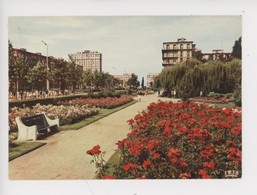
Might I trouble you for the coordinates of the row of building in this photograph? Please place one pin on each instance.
(172, 53)
(183, 50)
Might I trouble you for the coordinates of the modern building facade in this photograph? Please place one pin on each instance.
(177, 52)
(150, 79)
(89, 60)
(217, 54)
(124, 78)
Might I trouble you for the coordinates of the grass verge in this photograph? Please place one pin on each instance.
(226, 105)
(110, 165)
(19, 148)
(102, 113)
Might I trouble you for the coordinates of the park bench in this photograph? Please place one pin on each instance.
(29, 127)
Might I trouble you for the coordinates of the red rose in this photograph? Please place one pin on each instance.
(109, 177)
(146, 163)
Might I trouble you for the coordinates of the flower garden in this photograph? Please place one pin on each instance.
(221, 100)
(109, 102)
(181, 140)
(69, 112)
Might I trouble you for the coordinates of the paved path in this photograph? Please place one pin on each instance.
(64, 156)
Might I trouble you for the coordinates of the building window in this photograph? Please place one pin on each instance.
(168, 47)
(188, 46)
(174, 46)
(181, 46)
(188, 53)
(181, 54)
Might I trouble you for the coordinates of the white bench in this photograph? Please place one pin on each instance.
(29, 127)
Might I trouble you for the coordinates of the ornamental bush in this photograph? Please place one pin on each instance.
(66, 113)
(183, 140)
(109, 102)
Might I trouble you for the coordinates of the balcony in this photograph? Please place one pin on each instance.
(165, 64)
(176, 49)
(170, 57)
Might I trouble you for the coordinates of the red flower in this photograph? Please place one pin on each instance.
(94, 150)
(156, 155)
(235, 155)
(128, 166)
(210, 165)
(185, 175)
(109, 177)
(206, 177)
(202, 172)
(146, 163)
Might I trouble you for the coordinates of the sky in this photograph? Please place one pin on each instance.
(129, 44)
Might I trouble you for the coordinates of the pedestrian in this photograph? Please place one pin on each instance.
(139, 96)
(174, 92)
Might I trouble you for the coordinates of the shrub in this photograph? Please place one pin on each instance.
(183, 140)
(66, 114)
(109, 102)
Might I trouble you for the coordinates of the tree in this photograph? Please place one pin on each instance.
(74, 75)
(237, 49)
(87, 79)
(142, 84)
(133, 82)
(191, 77)
(37, 76)
(18, 68)
(58, 73)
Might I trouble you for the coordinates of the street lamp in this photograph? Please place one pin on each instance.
(47, 81)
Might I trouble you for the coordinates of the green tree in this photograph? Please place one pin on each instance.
(142, 84)
(58, 72)
(237, 49)
(87, 79)
(133, 82)
(192, 77)
(74, 75)
(37, 76)
(18, 68)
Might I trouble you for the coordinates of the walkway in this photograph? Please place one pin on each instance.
(64, 156)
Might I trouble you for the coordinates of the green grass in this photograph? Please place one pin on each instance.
(19, 148)
(230, 104)
(102, 113)
(110, 165)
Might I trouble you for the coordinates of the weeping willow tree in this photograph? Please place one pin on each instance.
(191, 77)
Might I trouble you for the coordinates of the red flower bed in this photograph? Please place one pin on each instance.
(212, 99)
(109, 102)
(183, 140)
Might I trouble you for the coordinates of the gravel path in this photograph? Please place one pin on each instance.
(64, 156)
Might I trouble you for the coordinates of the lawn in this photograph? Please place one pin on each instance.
(102, 113)
(226, 105)
(111, 163)
(20, 148)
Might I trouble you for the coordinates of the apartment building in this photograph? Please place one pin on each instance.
(124, 78)
(177, 52)
(89, 60)
(150, 79)
(217, 54)
(32, 58)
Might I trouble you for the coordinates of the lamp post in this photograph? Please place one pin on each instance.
(47, 81)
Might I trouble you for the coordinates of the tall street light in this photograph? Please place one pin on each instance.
(47, 81)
